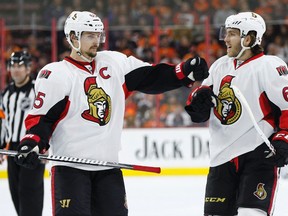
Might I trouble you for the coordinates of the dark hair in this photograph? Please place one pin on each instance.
(257, 49)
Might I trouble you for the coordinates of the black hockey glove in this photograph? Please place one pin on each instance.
(280, 143)
(194, 69)
(28, 151)
(199, 103)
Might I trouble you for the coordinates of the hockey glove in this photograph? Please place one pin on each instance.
(280, 143)
(199, 103)
(28, 151)
(194, 69)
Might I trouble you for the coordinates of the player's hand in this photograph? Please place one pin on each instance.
(193, 69)
(196, 69)
(28, 151)
(280, 143)
(199, 103)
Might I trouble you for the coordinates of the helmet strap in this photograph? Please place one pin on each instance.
(83, 57)
(78, 51)
(243, 49)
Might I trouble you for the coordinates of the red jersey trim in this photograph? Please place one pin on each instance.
(248, 60)
(283, 124)
(53, 190)
(266, 109)
(276, 177)
(32, 120)
(62, 116)
(235, 161)
(126, 91)
(81, 65)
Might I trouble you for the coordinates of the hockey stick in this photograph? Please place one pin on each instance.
(87, 162)
(260, 132)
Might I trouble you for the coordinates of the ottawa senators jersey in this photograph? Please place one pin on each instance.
(79, 108)
(263, 81)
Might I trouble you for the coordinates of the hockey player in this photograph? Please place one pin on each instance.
(79, 111)
(26, 185)
(243, 179)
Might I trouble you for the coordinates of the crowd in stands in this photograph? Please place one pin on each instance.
(131, 31)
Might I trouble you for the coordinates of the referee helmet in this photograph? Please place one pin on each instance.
(21, 57)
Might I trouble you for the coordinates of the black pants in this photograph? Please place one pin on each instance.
(84, 193)
(248, 181)
(26, 188)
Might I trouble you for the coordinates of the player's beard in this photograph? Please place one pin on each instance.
(92, 54)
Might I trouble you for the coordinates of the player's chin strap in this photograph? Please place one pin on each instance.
(79, 52)
(244, 48)
(83, 57)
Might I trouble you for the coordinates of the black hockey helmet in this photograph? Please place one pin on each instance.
(21, 57)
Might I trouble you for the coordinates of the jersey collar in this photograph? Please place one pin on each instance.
(236, 66)
(82, 65)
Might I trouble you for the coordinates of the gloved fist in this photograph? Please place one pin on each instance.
(28, 151)
(280, 143)
(199, 103)
(194, 69)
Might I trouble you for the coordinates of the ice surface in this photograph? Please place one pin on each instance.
(153, 196)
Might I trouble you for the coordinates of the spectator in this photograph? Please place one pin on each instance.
(178, 117)
(222, 13)
(54, 9)
(185, 16)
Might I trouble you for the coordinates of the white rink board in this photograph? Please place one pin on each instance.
(166, 147)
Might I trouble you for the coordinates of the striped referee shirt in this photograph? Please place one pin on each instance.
(16, 103)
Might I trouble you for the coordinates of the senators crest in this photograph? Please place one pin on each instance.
(98, 101)
(228, 109)
(260, 192)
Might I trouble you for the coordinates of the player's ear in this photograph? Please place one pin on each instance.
(73, 38)
(247, 41)
(250, 39)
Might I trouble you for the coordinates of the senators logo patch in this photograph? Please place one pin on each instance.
(98, 101)
(44, 74)
(260, 192)
(228, 109)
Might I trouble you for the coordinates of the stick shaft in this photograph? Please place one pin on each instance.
(250, 113)
(88, 162)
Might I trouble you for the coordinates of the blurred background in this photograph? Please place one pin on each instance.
(152, 30)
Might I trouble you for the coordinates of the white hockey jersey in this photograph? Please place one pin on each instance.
(263, 81)
(79, 109)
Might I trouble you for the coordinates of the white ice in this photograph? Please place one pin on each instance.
(154, 196)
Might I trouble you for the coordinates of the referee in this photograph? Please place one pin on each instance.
(17, 99)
